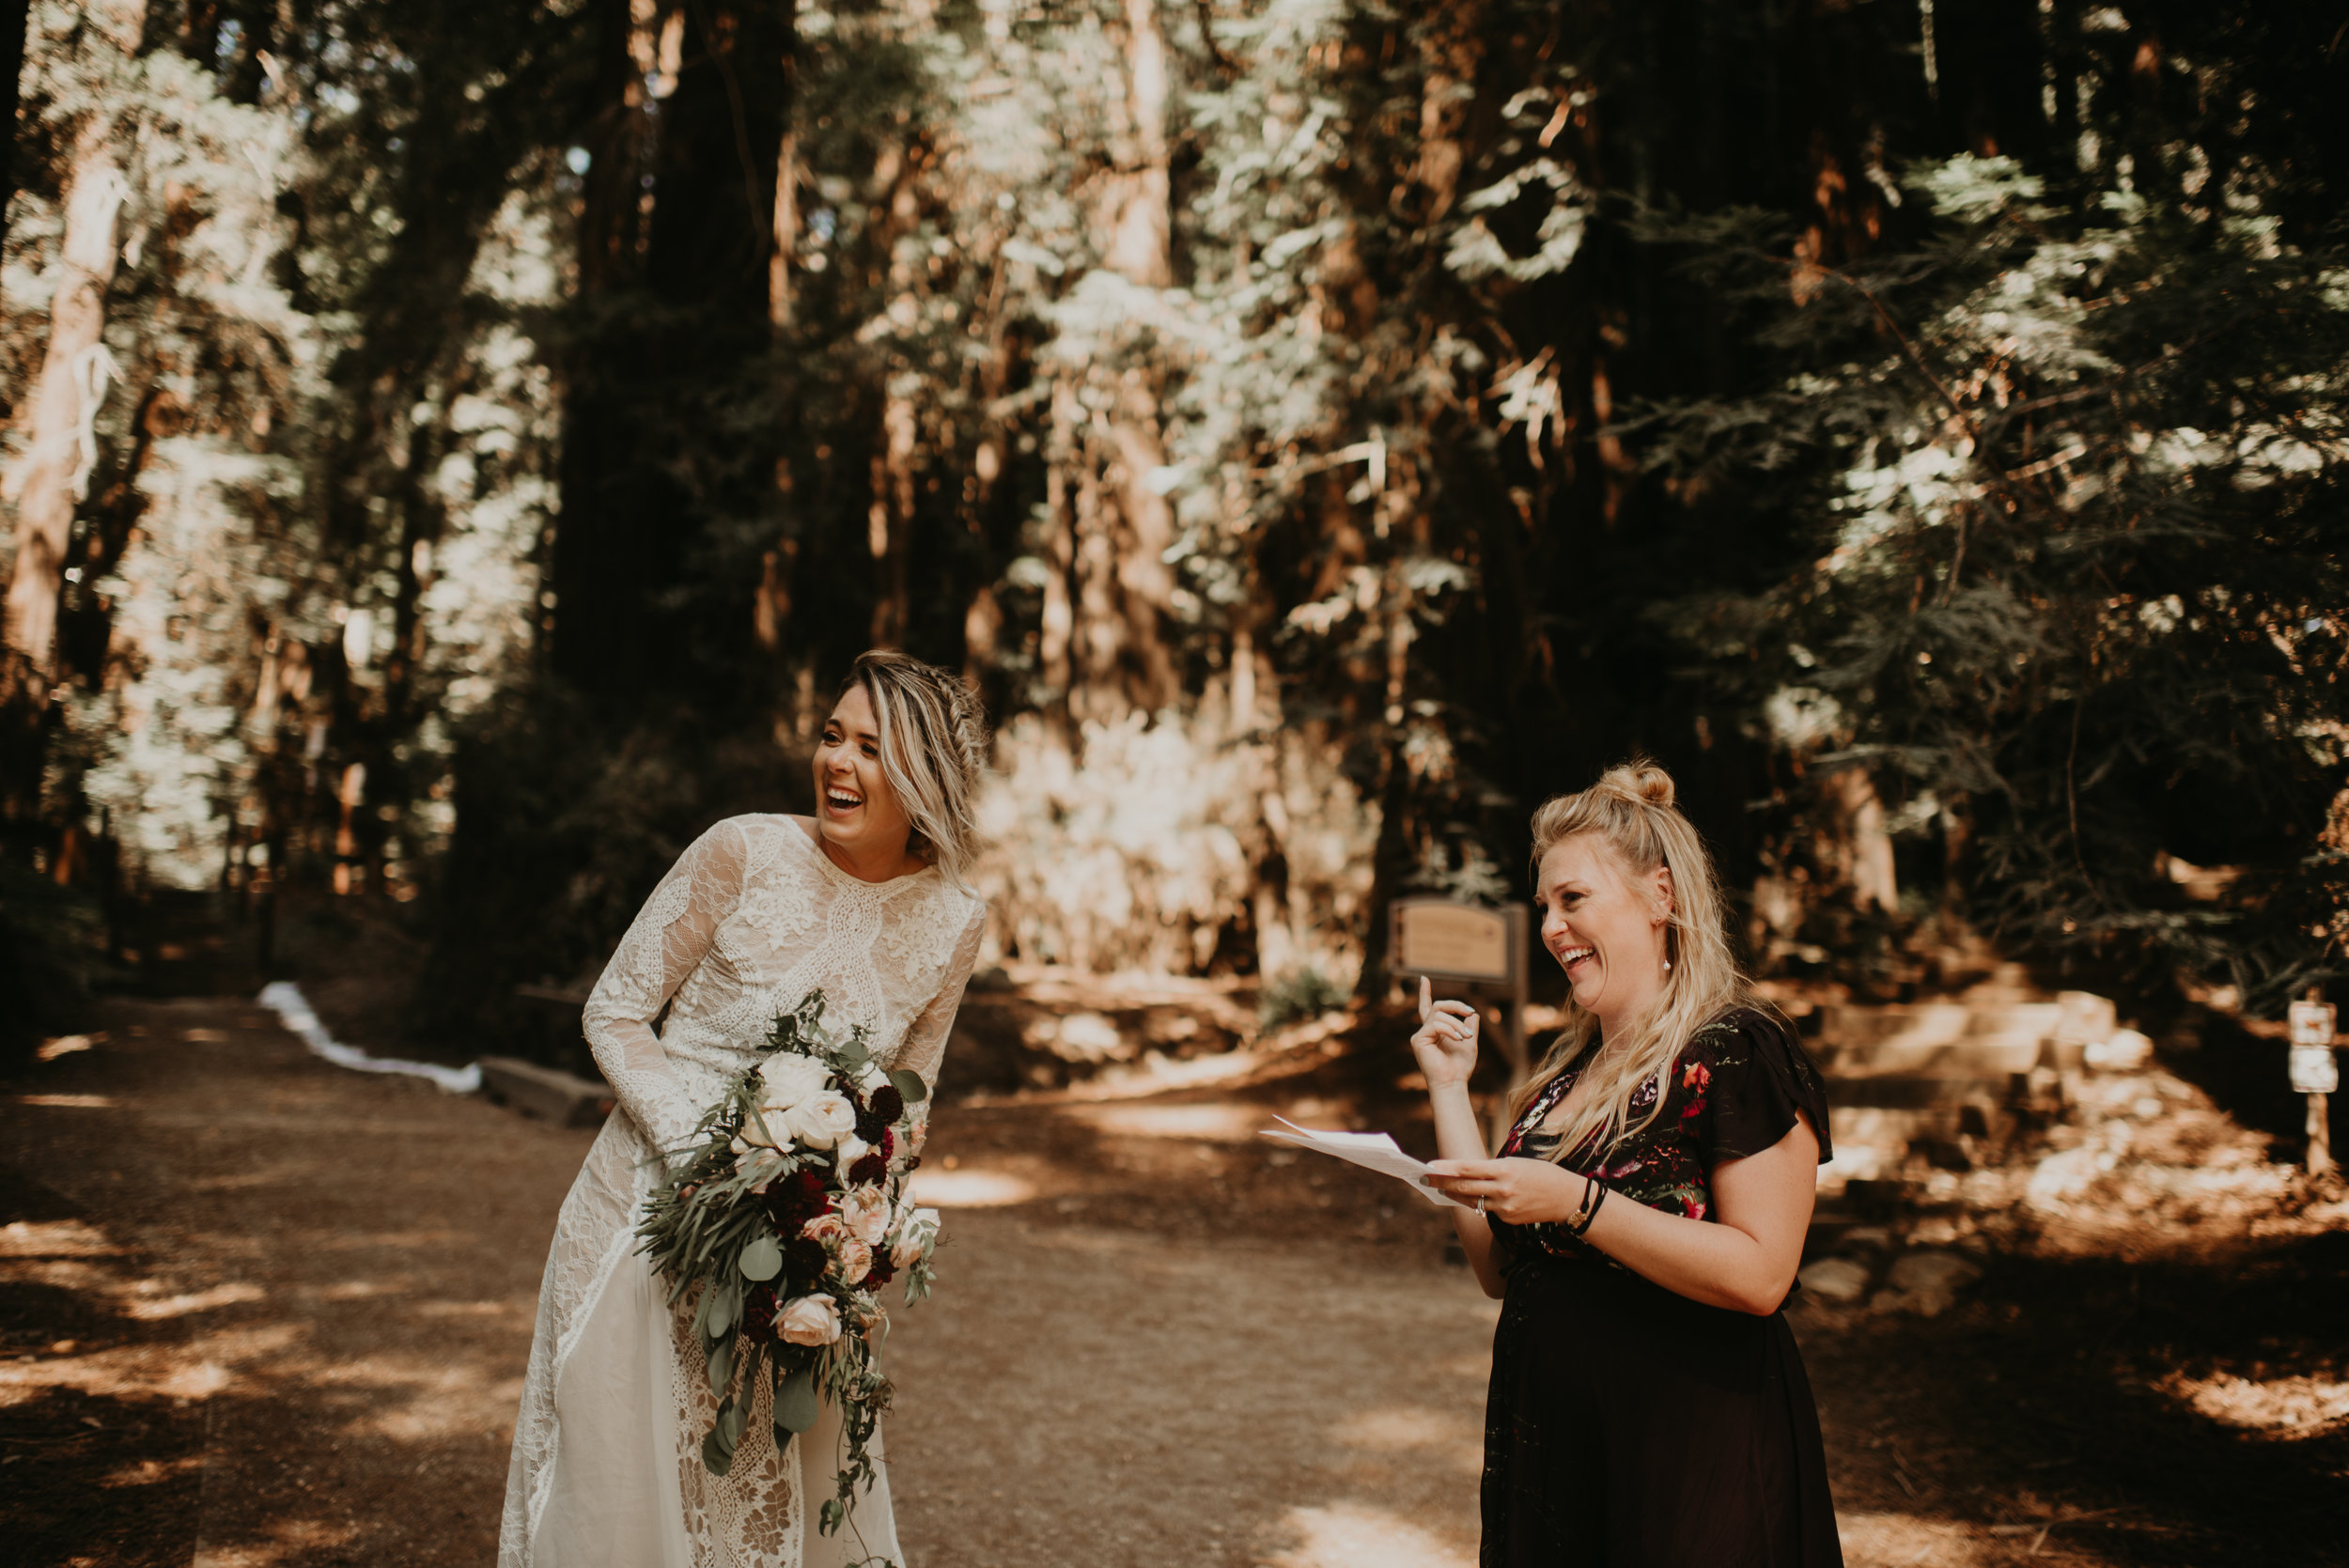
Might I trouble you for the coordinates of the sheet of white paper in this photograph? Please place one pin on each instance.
(1372, 1151)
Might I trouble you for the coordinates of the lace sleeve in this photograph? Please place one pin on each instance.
(663, 944)
(925, 1037)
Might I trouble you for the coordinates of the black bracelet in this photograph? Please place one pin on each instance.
(1593, 1196)
(1573, 1223)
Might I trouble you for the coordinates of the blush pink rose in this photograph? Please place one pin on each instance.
(809, 1320)
(866, 1210)
(915, 1239)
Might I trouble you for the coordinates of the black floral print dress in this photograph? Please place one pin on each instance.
(1629, 1426)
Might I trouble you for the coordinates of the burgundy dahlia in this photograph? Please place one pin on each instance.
(759, 1314)
(872, 1167)
(888, 1105)
(803, 1258)
(796, 1200)
(884, 1270)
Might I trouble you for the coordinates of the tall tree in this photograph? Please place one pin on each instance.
(76, 370)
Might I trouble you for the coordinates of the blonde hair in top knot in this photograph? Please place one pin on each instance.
(933, 752)
(1631, 811)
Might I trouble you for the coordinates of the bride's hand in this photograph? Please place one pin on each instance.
(1446, 1042)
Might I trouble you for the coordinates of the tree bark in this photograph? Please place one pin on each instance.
(1867, 848)
(890, 520)
(1141, 224)
(784, 230)
(62, 448)
(1121, 527)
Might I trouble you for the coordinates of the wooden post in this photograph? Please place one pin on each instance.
(2315, 1074)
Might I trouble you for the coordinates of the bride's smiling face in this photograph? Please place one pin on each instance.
(855, 808)
(1604, 925)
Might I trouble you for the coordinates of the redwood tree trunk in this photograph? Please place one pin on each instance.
(74, 379)
(1118, 527)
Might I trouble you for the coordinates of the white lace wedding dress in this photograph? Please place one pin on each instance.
(607, 1467)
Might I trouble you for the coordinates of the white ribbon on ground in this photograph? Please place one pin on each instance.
(284, 999)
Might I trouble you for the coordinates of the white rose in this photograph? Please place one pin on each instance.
(809, 1320)
(856, 1261)
(865, 1212)
(822, 1119)
(849, 1150)
(787, 1080)
(824, 1228)
(872, 1077)
(916, 1238)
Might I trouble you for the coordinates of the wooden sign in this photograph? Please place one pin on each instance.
(2313, 1069)
(1445, 940)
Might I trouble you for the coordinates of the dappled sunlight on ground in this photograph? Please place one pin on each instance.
(282, 1320)
(1452, 1437)
(1358, 1535)
(1904, 1541)
(1218, 1121)
(305, 1301)
(1170, 1401)
(194, 1301)
(2283, 1406)
(970, 1189)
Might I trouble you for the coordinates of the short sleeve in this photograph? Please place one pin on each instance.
(1758, 1077)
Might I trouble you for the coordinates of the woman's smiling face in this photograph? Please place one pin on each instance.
(855, 807)
(1603, 924)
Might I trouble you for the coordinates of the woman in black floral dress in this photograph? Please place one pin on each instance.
(1642, 1223)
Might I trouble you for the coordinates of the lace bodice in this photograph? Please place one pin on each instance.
(753, 917)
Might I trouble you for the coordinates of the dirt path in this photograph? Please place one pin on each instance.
(259, 1310)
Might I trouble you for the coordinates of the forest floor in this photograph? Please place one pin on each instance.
(256, 1310)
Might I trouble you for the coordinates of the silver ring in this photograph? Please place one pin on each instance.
(1480, 1205)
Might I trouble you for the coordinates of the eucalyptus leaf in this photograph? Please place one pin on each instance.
(717, 1455)
(762, 1259)
(722, 1306)
(722, 1365)
(909, 1086)
(795, 1400)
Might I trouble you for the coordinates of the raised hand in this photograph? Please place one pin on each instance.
(1446, 1042)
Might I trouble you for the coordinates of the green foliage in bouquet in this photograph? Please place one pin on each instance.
(782, 1220)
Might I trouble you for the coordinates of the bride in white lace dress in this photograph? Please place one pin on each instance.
(867, 902)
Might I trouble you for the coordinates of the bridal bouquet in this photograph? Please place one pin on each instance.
(788, 1218)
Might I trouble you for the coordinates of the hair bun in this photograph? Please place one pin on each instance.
(1639, 780)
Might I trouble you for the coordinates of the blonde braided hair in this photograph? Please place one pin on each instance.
(933, 752)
